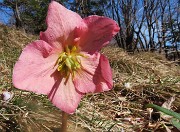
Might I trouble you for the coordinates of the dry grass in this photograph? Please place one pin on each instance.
(152, 79)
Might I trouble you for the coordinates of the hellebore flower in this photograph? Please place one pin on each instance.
(65, 63)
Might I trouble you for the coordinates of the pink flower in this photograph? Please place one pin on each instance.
(65, 63)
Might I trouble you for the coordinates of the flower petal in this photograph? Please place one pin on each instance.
(34, 68)
(104, 74)
(95, 76)
(61, 23)
(64, 95)
(95, 32)
(83, 79)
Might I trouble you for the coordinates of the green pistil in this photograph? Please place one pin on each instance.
(68, 61)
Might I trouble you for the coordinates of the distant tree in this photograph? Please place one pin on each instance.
(14, 6)
(33, 14)
(150, 7)
(173, 31)
(87, 7)
(123, 11)
(29, 15)
(161, 15)
(173, 24)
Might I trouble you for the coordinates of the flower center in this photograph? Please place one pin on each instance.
(69, 61)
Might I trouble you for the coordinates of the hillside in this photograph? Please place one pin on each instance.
(139, 79)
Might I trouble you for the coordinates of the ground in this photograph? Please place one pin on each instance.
(139, 79)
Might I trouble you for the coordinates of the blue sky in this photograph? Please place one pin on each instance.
(5, 14)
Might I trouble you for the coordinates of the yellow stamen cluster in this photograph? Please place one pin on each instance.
(69, 61)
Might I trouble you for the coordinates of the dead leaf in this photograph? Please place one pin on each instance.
(167, 128)
(167, 104)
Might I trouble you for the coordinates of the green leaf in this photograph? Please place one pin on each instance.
(164, 110)
(175, 123)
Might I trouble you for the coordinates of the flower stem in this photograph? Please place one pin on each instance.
(64, 122)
